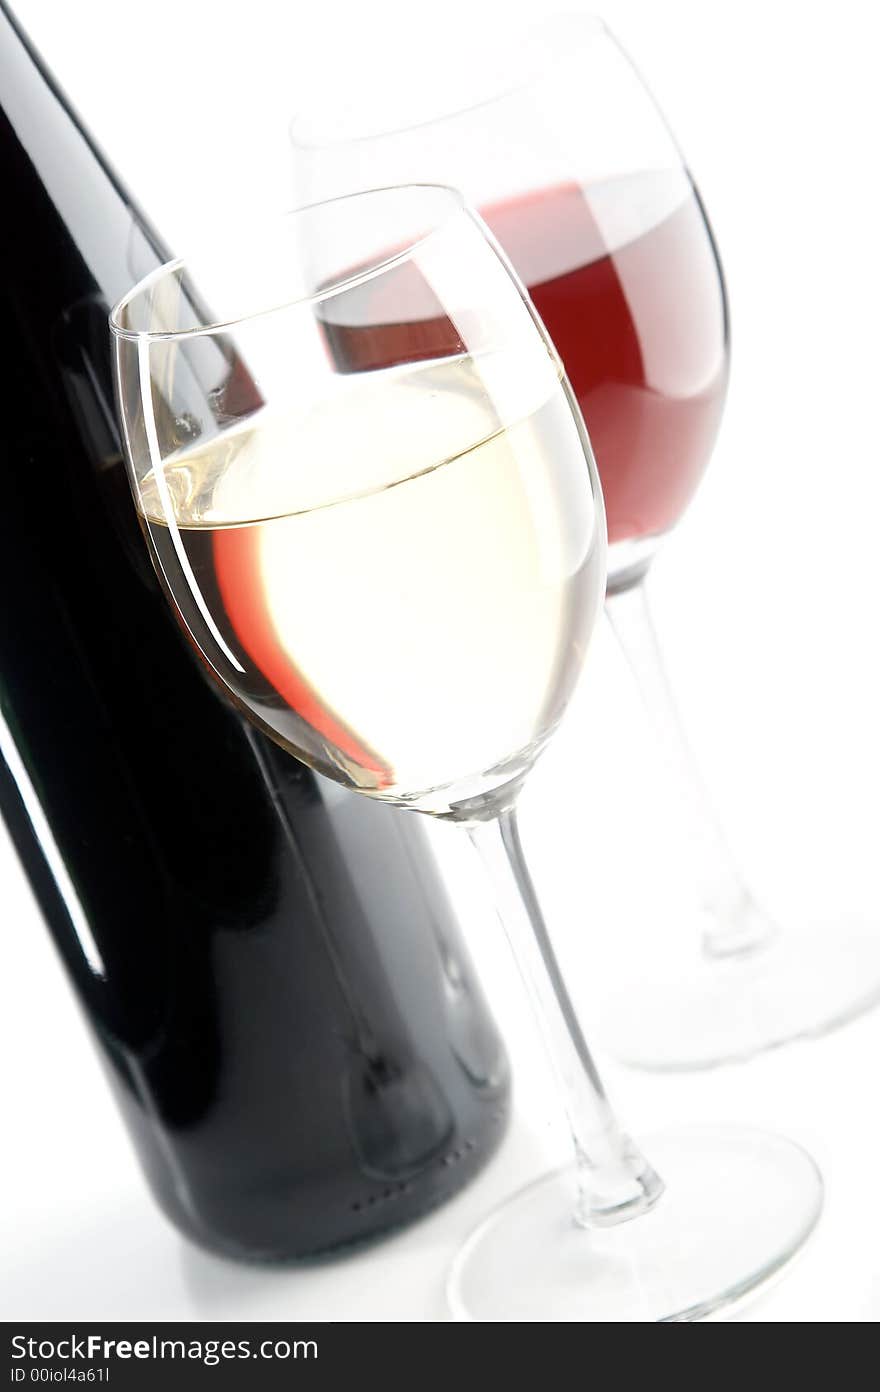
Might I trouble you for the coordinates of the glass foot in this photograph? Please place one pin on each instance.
(738, 1205)
(719, 1010)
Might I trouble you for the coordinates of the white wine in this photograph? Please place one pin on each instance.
(399, 586)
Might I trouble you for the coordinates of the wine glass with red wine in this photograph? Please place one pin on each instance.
(561, 147)
(393, 562)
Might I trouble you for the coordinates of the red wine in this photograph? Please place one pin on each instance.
(269, 965)
(625, 276)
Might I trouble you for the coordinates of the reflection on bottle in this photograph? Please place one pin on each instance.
(473, 1040)
(400, 1121)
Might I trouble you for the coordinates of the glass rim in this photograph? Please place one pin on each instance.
(590, 25)
(458, 205)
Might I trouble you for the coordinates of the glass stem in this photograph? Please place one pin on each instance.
(735, 924)
(615, 1181)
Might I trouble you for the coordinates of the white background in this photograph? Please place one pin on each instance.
(766, 599)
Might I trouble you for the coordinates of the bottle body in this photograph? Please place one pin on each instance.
(274, 976)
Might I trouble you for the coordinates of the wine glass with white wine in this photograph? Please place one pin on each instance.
(370, 497)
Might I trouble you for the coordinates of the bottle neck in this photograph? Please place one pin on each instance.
(58, 162)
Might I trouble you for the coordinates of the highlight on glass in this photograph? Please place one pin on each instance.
(558, 142)
(368, 492)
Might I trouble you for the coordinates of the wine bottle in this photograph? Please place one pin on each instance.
(268, 962)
